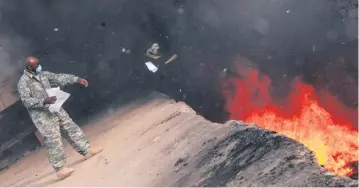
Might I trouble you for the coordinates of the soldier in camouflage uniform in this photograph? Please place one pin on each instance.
(32, 88)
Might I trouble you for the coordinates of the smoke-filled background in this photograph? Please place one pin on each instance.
(105, 42)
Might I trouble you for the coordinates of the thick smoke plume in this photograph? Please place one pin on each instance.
(285, 38)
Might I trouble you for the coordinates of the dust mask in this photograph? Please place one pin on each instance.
(38, 69)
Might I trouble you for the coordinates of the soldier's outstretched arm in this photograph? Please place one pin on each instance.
(26, 98)
(61, 79)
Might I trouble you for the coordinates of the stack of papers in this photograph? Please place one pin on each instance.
(61, 98)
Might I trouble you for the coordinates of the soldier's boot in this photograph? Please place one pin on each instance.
(92, 151)
(64, 172)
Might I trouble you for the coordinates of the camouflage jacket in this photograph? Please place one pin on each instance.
(32, 90)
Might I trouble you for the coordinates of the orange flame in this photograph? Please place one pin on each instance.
(301, 116)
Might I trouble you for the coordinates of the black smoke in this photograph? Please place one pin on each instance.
(285, 38)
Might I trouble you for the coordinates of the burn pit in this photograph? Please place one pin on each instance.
(207, 35)
(317, 119)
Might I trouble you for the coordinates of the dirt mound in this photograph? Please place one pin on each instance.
(155, 141)
(251, 156)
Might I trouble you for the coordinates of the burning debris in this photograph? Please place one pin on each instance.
(316, 119)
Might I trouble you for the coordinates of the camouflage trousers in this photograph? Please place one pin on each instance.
(53, 133)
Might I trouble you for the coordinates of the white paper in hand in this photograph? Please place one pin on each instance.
(151, 67)
(61, 98)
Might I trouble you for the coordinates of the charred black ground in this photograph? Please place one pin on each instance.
(285, 38)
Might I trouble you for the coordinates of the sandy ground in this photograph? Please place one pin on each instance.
(123, 134)
(157, 142)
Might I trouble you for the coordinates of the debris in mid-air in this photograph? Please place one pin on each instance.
(127, 51)
(155, 57)
(151, 67)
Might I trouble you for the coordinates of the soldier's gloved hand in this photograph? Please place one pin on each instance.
(50, 100)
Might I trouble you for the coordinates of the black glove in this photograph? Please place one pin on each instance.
(50, 100)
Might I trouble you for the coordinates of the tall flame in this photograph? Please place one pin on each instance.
(321, 123)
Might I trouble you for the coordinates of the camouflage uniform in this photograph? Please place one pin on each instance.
(32, 89)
